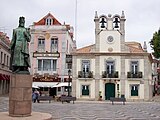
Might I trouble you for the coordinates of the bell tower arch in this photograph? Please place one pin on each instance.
(109, 32)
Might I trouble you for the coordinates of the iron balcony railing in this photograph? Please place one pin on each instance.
(134, 75)
(109, 75)
(82, 74)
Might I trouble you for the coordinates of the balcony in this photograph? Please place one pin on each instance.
(107, 75)
(82, 74)
(134, 75)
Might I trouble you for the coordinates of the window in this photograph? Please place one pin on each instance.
(4, 61)
(69, 65)
(110, 67)
(47, 65)
(1, 57)
(134, 90)
(7, 60)
(134, 67)
(54, 44)
(85, 66)
(41, 44)
(49, 21)
(54, 65)
(39, 65)
(85, 90)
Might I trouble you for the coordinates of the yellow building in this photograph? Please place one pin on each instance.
(112, 67)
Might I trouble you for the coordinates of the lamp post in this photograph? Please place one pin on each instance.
(69, 75)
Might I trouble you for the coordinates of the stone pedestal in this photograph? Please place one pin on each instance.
(20, 95)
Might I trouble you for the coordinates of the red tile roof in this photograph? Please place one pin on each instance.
(42, 21)
(86, 49)
(5, 38)
(134, 47)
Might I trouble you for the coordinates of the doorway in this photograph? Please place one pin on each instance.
(109, 90)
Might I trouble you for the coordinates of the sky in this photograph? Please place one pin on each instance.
(142, 16)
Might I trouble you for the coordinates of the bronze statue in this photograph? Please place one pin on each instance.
(19, 49)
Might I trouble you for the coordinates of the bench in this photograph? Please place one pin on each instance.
(67, 99)
(45, 98)
(118, 100)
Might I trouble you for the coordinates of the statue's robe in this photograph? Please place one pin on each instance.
(19, 48)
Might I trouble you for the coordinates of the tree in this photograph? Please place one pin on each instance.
(155, 44)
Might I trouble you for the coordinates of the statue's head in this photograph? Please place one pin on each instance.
(21, 21)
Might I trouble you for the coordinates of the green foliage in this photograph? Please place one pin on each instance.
(155, 44)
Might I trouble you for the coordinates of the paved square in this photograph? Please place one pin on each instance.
(95, 110)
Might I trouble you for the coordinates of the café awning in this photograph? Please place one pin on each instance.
(62, 84)
(44, 84)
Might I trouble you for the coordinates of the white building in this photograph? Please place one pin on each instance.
(111, 67)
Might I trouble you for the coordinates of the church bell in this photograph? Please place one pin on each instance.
(103, 23)
(116, 23)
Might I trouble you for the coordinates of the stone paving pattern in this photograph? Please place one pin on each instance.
(94, 110)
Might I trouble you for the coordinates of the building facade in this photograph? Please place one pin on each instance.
(5, 72)
(112, 67)
(51, 42)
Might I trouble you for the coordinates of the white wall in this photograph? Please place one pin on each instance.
(115, 45)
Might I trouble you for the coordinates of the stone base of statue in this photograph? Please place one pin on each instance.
(20, 100)
(20, 95)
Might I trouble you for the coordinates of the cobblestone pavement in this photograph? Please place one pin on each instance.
(95, 110)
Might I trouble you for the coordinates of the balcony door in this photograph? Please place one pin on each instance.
(85, 67)
(110, 67)
(134, 67)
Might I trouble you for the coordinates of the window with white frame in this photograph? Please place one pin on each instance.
(41, 44)
(54, 44)
(47, 65)
(110, 66)
(86, 66)
(134, 67)
(49, 21)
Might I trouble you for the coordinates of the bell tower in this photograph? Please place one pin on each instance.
(109, 32)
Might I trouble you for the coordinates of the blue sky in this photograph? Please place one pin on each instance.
(142, 17)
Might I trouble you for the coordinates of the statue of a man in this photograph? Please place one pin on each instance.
(19, 48)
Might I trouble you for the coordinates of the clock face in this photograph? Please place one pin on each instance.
(110, 39)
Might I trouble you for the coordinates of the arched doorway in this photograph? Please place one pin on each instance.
(109, 90)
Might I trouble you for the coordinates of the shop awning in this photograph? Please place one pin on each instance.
(62, 84)
(4, 77)
(44, 84)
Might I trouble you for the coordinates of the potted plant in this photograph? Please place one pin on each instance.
(100, 96)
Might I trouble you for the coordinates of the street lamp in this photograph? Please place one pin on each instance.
(69, 74)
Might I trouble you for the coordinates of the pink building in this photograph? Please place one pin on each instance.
(51, 42)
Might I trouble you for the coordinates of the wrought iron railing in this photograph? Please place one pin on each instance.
(109, 75)
(134, 75)
(82, 74)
